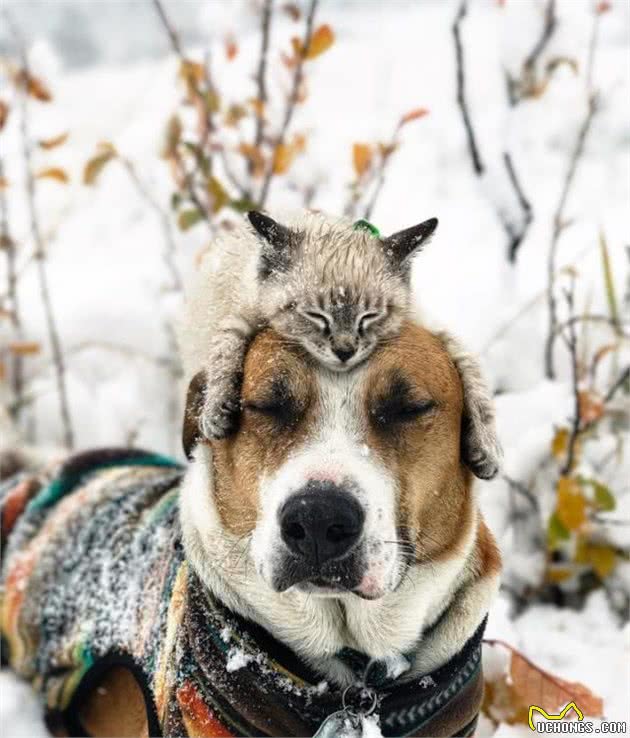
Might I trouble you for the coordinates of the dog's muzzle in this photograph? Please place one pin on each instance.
(321, 525)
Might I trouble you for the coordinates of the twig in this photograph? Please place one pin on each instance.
(622, 379)
(516, 236)
(174, 38)
(292, 100)
(461, 91)
(187, 177)
(572, 346)
(40, 249)
(170, 247)
(8, 245)
(529, 65)
(261, 75)
(558, 227)
(522, 490)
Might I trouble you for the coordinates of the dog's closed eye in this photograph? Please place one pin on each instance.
(277, 404)
(400, 405)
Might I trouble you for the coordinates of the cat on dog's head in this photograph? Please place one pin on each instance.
(337, 289)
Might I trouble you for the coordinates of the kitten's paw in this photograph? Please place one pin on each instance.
(221, 410)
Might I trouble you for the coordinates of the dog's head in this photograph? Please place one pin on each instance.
(341, 482)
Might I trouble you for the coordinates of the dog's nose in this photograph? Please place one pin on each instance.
(321, 523)
(343, 353)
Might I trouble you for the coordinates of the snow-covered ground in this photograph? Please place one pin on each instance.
(107, 276)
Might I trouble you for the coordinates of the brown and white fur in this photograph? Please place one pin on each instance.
(402, 435)
(335, 289)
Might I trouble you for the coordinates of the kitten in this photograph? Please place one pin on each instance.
(334, 287)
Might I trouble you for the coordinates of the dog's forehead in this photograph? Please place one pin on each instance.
(415, 354)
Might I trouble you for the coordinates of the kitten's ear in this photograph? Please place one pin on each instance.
(191, 432)
(400, 246)
(276, 235)
(279, 237)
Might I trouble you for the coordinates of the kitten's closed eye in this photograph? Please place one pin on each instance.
(366, 320)
(319, 319)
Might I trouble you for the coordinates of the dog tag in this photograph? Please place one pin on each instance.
(341, 724)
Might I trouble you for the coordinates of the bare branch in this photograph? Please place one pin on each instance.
(529, 65)
(558, 227)
(292, 100)
(516, 236)
(261, 75)
(170, 247)
(169, 28)
(572, 346)
(622, 379)
(40, 247)
(7, 244)
(461, 91)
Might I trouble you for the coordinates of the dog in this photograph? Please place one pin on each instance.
(324, 566)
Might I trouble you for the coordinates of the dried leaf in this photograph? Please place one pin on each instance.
(602, 496)
(558, 574)
(234, 114)
(560, 442)
(192, 72)
(413, 115)
(254, 155)
(293, 11)
(56, 173)
(231, 48)
(218, 194)
(258, 106)
(534, 686)
(33, 86)
(282, 158)
(591, 406)
(361, 158)
(51, 143)
(556, 532)
(571, 505)
(4, 183)
(172, 136)
(4, 113)
(321, 40)
(603, 7)
(24, 348)
(188, 218)
(94, 166)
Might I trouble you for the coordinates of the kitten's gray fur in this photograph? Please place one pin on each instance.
(332, 288)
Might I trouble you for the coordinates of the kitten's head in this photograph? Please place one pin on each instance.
(336, 290)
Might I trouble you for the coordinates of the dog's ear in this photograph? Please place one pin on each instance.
(191, 433)
(480, 447)
(276, 236)
(401, 246)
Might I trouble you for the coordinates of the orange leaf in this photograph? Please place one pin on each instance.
(51, 143)
(534, 686)
(24, 348)
(33, 86)
(559, 443)
(321, 40)
(603, 7)
(55, 173)
(255, 156)
(571, 505)
(4, 183)
(413, 115)
(361, 158)
(282, 158)
(258, 106)
(231, 48)
(106, 152)
(591, 406)
(4, 113)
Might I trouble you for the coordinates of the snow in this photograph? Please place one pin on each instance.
(108, 279)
